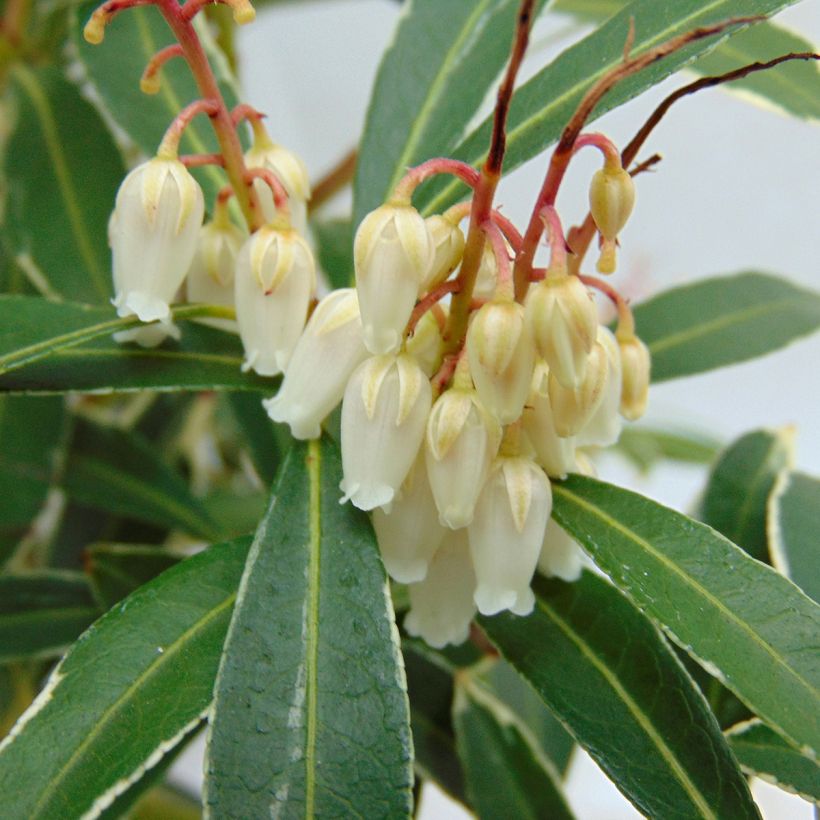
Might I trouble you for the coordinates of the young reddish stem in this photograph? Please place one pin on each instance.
(502, 258)
(626, 321)
(445, 372)
(602, 143)
(169, 147)
(334, 180)
(427, 302)
(280, 195)
(243, 112)
(198, 160)
(149, 82)
(403, 192)
(558, 244)
(94, 30)
(511, 233)
(224, 195)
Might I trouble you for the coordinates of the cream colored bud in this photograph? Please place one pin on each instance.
(328, 351)
(506, 535)
(291, 172)
(561, 555)
(486, 280)
(441, 606)
(604, 426)
(425, 343)
(636, 363)
(611, 198)
(556, 454)
(410, 533)
(448, 247)
(384, 413)
(572, 409)
(502, 356)
(563, 321)
(275, 280)
(462, 440)
(94, 29)
(153, 235)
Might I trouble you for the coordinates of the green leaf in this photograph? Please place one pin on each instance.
(724, 320)
(645, 446)
(431, 81)
(116, 570)
(310, 714)
(31, 433)
(604, 670)
(753, 628)
(59, 347)
(116, 65)
(334, 238)
(267, 442)
(148, 664)
(42, 613)
(735, 499)
(544, 104)
(794, 521)
(762, 752)
(63, 170)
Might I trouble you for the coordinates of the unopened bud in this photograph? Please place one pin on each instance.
(243, 12)
(150, 83)
(94, 29)
(486, 279)
(392, 253)
(611, 198)
(572, 409)
(605, 425)
(636, 364)
(563, 320)
(502, 356)
(448, 248)
(291, 172)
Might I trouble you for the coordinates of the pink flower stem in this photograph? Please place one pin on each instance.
(169, 147)
(280, 195)
(428, 301)
(403, 192)
(149, 82)
(626, 321)
(605, 145)
(198, 160)
(504, 284)
(558, 244)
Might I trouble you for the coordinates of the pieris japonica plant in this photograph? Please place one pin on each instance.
(332, 493)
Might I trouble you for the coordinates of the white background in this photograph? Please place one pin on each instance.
(737, 190)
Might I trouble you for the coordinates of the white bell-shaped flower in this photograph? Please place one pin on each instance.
(153, 234)
(410, 533)
(275, 279)
(392, 253)
(441, 606)
(448, 248)
(556, 454)
(384, 413)
(502, 356)
(461, 442)
(506, 534)
(425, 343)
(572, 409)
(328, 351)
(561, 555)
(291, 172)
(563, 320)
(605, 425)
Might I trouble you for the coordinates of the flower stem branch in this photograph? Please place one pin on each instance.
(403, 191)
(428, 301)
(149, 82)
(626, 321)
(198, 160)
(280, 195)
(169, 147)
(334, 180)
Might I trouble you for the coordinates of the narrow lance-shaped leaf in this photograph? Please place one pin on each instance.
(491, 738)
(544, 104)
(762, 752)
(644, 446)
(723, 320)
(151, 663)
(756, 631)
(794, 522)
(63, 171)
(59, 347)
(734, 502)
(604, 670)
(310, 715)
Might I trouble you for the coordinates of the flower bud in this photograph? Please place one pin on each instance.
(462, 440)
(502, 357)
(506, 535)
(572, 409)
(561, 555)
(611, 198)
(328, 351)
(486, 279)
(384, 413)
(563, 319)
(441, 606)
(636, 363)
(275, 278)
(425, 343)
(410, 533)
(605, 425)
(448, 246)
(153, 234)
(554, 453)
(392, 253)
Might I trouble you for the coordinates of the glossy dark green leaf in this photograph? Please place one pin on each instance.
(267, 442)
(119, 472)
(723, 320)
(148, 663)
(490, 738)
(59, 347)
(335, 244)
(794, 524)
(63, 170)
(645, 447)
(762, 752)
(310, 715)
(32, 430)
(431, 81)
(753, 628)
(115, 66)
(116, 570)
(544, 104)
(736, 496)
(605, 671)
(42, 613)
